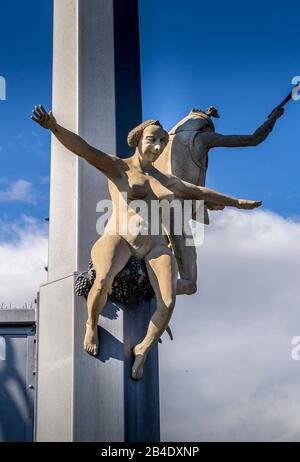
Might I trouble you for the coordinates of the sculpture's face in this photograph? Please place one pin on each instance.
(152, 142)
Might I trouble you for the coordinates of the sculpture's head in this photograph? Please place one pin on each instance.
(149, 138)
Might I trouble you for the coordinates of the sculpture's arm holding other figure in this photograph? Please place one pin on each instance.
(105, 163)
(214, 140)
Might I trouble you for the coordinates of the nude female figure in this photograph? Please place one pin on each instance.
(137, 177)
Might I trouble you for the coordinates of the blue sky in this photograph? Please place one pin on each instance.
(26, 63)
(238, 57)
(238, 375)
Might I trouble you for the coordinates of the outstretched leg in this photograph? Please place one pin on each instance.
(162, 271)
(109, 255)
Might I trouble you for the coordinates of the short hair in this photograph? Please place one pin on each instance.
(135, 134)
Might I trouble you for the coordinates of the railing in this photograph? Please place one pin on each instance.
(26, 306)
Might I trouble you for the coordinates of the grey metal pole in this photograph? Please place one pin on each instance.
(96, 93)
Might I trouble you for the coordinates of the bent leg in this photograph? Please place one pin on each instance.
(109, 255)
(162, 270)
(186, 257)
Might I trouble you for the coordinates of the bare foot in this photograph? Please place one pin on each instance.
(91, 342)
(244, 204)
(138, 365)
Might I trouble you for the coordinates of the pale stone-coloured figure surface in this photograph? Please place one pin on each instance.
(186, 156)
(137, 177)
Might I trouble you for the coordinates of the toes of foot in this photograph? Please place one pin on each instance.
(135, 375)
(91, 349)
(138, 367)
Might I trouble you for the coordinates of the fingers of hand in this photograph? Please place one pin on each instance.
(244, 204)
(35, 113)
(38, 110)
(40, 115)
(43, 110)
(35, 120)
(256, 204)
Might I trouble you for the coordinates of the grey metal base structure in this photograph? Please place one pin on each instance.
(17, 374)
(82, 398)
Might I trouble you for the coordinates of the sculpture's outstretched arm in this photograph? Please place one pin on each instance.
(213, 140)
(103, 162)
(189, 191)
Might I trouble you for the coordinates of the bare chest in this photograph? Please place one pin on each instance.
(142, 186)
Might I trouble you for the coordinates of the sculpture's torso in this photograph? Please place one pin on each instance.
(131, 224)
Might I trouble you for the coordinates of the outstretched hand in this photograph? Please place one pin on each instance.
(43, 118)
(244, 204)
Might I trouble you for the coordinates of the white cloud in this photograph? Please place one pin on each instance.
(228, 375)
(22, 260)
(19, 191)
